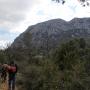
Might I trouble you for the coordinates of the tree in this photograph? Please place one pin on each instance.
(82, 43)
(60, 1)
(67, 54)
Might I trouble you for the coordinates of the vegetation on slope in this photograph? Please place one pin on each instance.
(66, 68)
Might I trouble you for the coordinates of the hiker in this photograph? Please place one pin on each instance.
(12, 70)
(0, 70)
(3, 73)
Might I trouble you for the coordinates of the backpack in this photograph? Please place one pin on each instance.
(12, 69)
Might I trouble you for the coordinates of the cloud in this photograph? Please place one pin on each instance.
(14, 10)
(82, 12)
(46, 9)
(17, 15)
(5, 35)
(3, 44)
(12, 14)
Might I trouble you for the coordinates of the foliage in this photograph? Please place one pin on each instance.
(72, 58)
(82, 2)
(68, 67)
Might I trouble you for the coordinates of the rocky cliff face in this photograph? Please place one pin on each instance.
(49, 34)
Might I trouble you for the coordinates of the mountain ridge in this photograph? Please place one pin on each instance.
(50, 33)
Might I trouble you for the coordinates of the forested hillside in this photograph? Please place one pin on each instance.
(66, 68)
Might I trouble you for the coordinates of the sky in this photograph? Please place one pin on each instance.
(17, 15)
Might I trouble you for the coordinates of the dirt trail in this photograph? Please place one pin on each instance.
(4, 86)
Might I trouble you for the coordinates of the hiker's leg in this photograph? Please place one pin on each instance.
(4, 77)
(1, 78)
(9, 84)
(13, 84)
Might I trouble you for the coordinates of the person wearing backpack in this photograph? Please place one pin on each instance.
(3, 73)
(12, 70)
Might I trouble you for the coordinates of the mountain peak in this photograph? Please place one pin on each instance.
(49, 34)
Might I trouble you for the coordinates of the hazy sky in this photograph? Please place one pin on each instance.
(17, 15)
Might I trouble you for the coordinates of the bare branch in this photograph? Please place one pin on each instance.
(82, 2)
